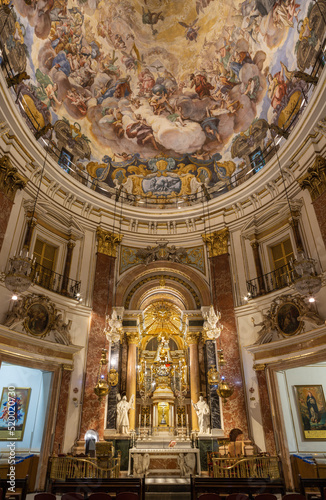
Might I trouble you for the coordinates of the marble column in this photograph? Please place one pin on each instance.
(259, 268)
(66, 271)
(234, 410)
(60, 425)
(214, 400)
(192, 342)
(315, 181)
(111, 419)
(265, 409)
(93, 411)
(133, 342)
(10, 181)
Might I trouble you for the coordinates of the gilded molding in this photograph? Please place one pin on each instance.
(107, 242)
(217, 242)
(133, 338)
(10, 178)
(315, 178)
(259, 368)
(192, 338)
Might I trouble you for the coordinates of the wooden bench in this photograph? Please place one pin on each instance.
(312, 482)
(94, 485)
(225, 486)
(20, 484)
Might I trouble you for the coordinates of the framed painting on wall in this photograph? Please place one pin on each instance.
(312, 410)
(13, 413)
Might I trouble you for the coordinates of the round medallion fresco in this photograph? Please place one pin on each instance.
(160, 96)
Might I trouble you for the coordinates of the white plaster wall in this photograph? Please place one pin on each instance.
(39, 382)
(287, 379)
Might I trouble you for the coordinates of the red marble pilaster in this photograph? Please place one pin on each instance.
(319, 206)
(5, 211)
(60, 425)
(93, 411)
(266, 413)
(234, 411)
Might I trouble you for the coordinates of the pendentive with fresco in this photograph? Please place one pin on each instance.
(152, 98)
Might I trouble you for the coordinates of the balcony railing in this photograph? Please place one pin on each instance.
(275, 280)
(55, 282)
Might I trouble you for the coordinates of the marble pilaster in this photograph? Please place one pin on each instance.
(214, 400)
(66, 271)
(234, 410)
(319, 205)
(93, 411)
(265, 408)
(10, 182)
(60, 425)
(111, 417)
(133, 341)
(192, 341)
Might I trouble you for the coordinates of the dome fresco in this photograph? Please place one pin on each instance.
(161, 97)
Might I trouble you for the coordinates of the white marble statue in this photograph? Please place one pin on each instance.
(123, 408)
(187, 463)
(203, 412)
(114, 329)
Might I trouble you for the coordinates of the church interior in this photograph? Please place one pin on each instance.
(162, 248)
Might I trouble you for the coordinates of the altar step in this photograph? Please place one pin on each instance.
(167, 488)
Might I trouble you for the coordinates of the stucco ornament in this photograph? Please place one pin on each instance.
(212, 327)
(114, 327)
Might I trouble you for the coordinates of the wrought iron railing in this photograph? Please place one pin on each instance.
(260, 467)
(275, 280)
(55, 282)
(76, 468)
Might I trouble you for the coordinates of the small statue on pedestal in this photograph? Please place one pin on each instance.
(123, 408)
(202, 410)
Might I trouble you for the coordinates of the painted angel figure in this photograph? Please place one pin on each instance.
(47, 92)
(123, 408)
(211, 324)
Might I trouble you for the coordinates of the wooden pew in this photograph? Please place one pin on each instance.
(312, 482)
(94, 485)
(20, 484)
(225, 486)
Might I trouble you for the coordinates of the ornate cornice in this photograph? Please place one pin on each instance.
(217, 242)
(315, 178)
(133, 338)
(192, 338)
(107, 242)
(10, 178)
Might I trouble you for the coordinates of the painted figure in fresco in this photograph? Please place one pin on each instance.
(202, 86)
(312, 408)
(123, 408)
(152, 18)
(202, 410)
(277, 88)
(142, 131)
(146, 82)
(78, 100)
(192, 30)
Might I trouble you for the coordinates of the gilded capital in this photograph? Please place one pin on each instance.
(192, 338)
(107, 242)
(315, 178)
(10, 178)
(217, 242)
(133, 338)
(259, 368)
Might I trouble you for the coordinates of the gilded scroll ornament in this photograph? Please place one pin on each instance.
(217, 242)
(10, 178)
(315, 178)
(107, 242)
(192, 338)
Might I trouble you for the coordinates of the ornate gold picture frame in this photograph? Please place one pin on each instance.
(39, 317)
(312, 410)
(286, 314)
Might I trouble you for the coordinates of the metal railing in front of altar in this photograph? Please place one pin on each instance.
(63, 468)
(55, 282)
(269, 282)
(268, 467)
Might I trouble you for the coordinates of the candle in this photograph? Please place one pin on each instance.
(150, 420)
(187, 419)
(139, 419)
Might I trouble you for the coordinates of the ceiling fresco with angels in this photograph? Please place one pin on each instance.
(152, 95)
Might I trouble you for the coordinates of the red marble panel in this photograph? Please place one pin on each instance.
(266, 414)
(93, 411)
(319, 206)
(234, 410)
(5, 211)
(60, 424)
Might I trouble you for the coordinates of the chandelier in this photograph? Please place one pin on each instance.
(212, 327)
